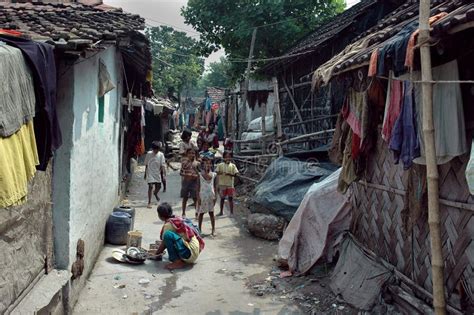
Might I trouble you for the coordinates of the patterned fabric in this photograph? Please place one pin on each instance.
(207, 194)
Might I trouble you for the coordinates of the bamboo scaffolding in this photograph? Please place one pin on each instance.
(310, 135)
(437, 261)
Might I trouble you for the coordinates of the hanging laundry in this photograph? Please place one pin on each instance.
(404, 141)
(470, 171)
(392, 55)
(354, 111)
(40, 57)
(18, 160)
(410, 54)
(393, 107)
(373, 63)
(17, 93)
(448, 114)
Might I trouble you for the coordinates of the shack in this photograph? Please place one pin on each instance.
(302, 111)
(81, 60)
(378, 141)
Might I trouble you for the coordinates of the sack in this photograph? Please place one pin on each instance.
(470, 171)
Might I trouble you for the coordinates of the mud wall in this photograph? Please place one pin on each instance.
(26, 241)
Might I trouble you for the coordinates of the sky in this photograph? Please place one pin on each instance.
(167, 12)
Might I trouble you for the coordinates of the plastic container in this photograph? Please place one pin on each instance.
(128, 210)
(134, 239)
(117, 228)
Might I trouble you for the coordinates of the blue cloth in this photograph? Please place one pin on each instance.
(208, 104)
(404, 142)
(393, 54)
(175, 246)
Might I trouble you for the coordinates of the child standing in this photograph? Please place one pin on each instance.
(154, 166)
(207, 193)
(189, 179)
(226, 172)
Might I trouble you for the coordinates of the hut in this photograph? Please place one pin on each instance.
(379, 144)
(302, 111)
(84, 60)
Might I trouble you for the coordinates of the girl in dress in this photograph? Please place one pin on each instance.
(207, 193)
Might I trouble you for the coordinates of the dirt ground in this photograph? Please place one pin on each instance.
(235, 274)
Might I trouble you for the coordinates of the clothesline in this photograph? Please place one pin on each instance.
(433, 81)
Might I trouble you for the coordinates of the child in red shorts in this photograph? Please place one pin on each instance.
(226, 172)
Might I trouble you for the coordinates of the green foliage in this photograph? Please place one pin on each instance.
(229, 25)
(218, 74)
(176, 62)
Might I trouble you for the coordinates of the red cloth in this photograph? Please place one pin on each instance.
(373, 63)
(410, 54)
(10, 32)
(393, 110)
(180, 227)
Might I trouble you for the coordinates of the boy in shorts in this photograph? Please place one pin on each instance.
(226, 172)
(189, 179)
(154, 166)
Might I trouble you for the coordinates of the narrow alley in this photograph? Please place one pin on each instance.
(338, 134)
(217, 284)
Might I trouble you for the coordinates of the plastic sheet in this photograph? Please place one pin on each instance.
(324, 214)
(285, 183)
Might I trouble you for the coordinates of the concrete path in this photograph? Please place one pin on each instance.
(217, 284)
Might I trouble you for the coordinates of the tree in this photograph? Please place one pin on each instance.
(176, 62)
(229, 25)
(218, 74)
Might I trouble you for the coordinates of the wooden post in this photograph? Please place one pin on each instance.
(277, 114)
(297, 110)
(437, 261)
(243, 117)
(276, 109)
(264, 127)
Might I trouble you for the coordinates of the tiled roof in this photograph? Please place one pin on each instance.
(71, 26)
(331, 28)
(460, 15)
(216, 94)
(344, 23)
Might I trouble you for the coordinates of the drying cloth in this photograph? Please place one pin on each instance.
(324, 73)
(410, 55)
(404, 142)
(105, 82)
(373, 63)
(311, 234)
(40, 57)
(18, 159)
(470, 171)
(355, 112)
(393, 107)
(392, 55)
(17, 93)
(448, 114)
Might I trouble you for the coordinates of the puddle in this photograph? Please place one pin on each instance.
(168, 293)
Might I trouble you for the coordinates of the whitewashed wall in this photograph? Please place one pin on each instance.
(86, 168)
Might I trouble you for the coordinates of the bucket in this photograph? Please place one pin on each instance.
(134, 239)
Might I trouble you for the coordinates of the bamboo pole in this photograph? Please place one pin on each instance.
(264, 126)
(297, 110)
(276, 108)
(243, 117)
(437, 261)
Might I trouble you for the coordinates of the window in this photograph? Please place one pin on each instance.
(101, 109)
